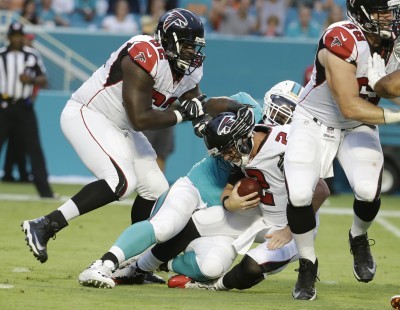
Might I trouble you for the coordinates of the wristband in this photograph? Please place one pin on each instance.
(178, 117)
(391, 116)
(223, 202)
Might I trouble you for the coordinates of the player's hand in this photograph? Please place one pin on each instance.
(376, 69)
(279, 238)
(199, 128)
(236, 202)
(245, 118)
(191, 109)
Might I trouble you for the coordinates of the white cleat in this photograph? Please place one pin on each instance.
(98, 275)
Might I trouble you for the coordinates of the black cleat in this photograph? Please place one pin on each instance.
(38, 232)
(364, 265)
(152, 278)
(305, 285)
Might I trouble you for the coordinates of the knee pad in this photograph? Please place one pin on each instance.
(300, 196)
(153, 185)
(168, 225)
(212, 269)
(366, 190)
(209, 220)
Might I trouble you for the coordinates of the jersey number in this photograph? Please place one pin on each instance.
(357, 33)
(159, 100)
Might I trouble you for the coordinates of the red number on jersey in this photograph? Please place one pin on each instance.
(160, 50)
(281, 137)
(357, 33)
(366, 92)
(159, 100)
(266, 198)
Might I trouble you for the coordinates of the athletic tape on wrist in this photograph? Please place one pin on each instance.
(391, 116)
(178, 117)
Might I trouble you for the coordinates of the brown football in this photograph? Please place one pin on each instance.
(248, 186)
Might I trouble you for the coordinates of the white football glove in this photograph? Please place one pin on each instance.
(376, 69)
(190, 109)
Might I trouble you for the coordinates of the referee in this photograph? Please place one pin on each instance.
(21, 69)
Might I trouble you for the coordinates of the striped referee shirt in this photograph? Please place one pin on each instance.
(14, 63)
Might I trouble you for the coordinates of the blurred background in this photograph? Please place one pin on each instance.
(251, 45)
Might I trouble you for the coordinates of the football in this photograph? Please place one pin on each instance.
(395, 302)
(248, 186)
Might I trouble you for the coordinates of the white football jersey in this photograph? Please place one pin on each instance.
(347, 41)
(103, 90)
(267, 168)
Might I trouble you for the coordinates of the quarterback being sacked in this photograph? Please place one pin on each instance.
(132, 91)
(259, 153)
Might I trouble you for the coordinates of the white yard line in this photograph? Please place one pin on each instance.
(388, 226)
(381, 218)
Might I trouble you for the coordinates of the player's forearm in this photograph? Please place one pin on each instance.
(388, 87)
(217, 105)
(153, 120)
(360, 110)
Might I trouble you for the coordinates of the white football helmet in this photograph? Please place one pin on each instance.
(280, 102)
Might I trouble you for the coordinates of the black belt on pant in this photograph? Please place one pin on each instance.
(319, 123)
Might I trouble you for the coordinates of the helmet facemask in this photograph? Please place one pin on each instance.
(187, 55)
(280, 102)
(237, 153)
(181, 33)
(386, 21)
(278, 110)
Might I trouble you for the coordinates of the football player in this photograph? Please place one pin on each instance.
(212, 255)
(260, 155)
(132, 91)
(337, 117)
(172, 212)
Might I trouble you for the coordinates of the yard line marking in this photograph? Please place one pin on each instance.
(6, 286)
(349, 211)
(21, 269)
(324, 210)
(28, 198)
(388, 226)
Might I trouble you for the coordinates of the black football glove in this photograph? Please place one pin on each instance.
(199, 128)
(191, 109)
(244, 121)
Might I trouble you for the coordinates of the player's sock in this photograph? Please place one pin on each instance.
(57, 220)
(148, 262)
(244, 275)
(187, 264)
(172, 247)
(141, 209)
(302, 223)
(364, 214)
(93, 196)
(136, 239)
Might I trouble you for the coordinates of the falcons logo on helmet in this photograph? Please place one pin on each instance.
(175, 18)
(226, 125)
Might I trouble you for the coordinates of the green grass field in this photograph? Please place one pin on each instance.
(27, 284)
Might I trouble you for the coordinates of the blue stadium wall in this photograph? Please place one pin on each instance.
(232, 65)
